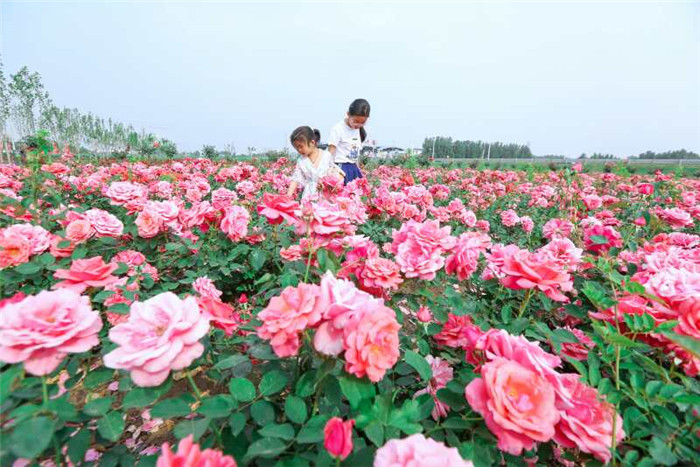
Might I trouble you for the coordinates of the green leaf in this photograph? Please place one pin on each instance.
(111, 426)
(242, 389)
(31, 437)
(355, 389)
(456, 423)
(63, 408)
(284, 431)
(257, 259)
(266, 448)
(98, 407)
(79, 253)
(262, 412)
(98, 378)
(295, 409)
(455, 401)
(420, 364)
(170, 408)
(272, 383)
(218, 406)
(689, 343)
(7, 380)
(312, 432)
(375, 433)
(593, 369)
(230, 362)
(653, 387)
(27, 269)
(139, 397)
(193, 427)
(661, 453)
(305, 385)
(237, 422)
(78, 446)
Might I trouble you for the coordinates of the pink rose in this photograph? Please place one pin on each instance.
(220, 314)
(222, 197)
(278, 208)
(235, 223)
(206, 288)
(337, 437)
(442, 374)
(419, 247)
(456, 332)
(79, 231)
(122, 193)
(645, 188)
(522, 269)
(587, 424)
(527, 224)
(372, 347)
(149, 223)
(162, 334)
(417, 450)
(287, 315)
(554, 228)
(378, 275)
(592, 202)
(190, 454)
(84, 273)
(509, 218)
(517, 405)
(42, 329)
(323, 219)
(600, 238)
(677, 218)
(38, 237)
(104, 223)
(424, 314)
(14, 250)
(464, 259)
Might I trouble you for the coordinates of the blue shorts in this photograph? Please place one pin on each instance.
(352, 171)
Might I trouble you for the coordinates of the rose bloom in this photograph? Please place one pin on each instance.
(235, 223)
(674, 285)
(563, 252)
(38, 237)
(287, 315)
(645, 188)
(379, 274)
(419, 246)
(614, 239)
(190, 454)
(84, 273)
(372, 347)
(206, 287)
(577, 350)
(464, 259)
(278, 208)
(79, 231)
(527, 224)
(554, 228)
(121, 193)
(323, 219)
(131, 258)
(418, 451)
(677, 218)
(221, 198)
(40, 330)
(104, 223)
(149, 223)
(456, 331)
(14, 250)
(587, 425)
(689, 320)
(517, 405)
(60, 252)
(509, 218)
(161, 335)
(293, 253)
(442, 374)
(221, 315)
(525, 270)
(337, 437)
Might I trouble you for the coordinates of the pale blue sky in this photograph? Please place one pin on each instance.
(565, 77)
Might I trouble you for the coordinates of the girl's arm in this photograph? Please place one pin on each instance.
(292, 189)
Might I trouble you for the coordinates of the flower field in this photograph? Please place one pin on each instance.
(188, 313)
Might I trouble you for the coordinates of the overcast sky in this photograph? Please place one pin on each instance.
(565, 77)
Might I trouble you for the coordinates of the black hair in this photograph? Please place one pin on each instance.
(360, 108)
(306, 134)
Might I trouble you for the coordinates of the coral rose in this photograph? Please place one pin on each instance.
(372, 347)
(84, 273)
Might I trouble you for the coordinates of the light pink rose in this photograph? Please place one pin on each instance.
(190, 454)
(104, 223)
(417, 451)
(557, 228)
(527, 223)
(206, 287)
(587, 424)
(161, 335)
(149, 223)
(42, 329)
(464, 259)
(235, 222)
(222, 197)
(122, 193)
(38, 237)
(79, 231)
(419, 247)
(84, 273)
(509, 218)
(287, 315)
(517, 405)
(442, 374)
(677, 218)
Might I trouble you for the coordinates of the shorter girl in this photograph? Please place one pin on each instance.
(347, 136)
(313, 164)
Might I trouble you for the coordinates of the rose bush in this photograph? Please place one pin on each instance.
(159, 313)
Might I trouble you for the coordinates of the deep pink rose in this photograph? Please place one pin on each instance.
(84, 273)
(599, 238)
(190, 454)
(337, 437)
(278, 208)
(525, 270)
(235, 223)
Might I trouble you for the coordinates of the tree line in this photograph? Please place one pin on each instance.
(445, 147)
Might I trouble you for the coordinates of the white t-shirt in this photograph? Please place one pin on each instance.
(306, 175)
(347, 143)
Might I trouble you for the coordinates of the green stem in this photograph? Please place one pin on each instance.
(194, 386)
(45, 392)
(337, 462)
(526, 300)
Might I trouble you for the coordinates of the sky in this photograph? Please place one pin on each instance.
(564, 77)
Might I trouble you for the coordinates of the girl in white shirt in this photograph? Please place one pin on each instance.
(313, 163)
(347, 136)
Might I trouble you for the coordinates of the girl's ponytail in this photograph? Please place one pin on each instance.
(363, 134)
(360, 108)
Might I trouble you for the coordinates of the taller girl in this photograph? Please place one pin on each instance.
(347, 136)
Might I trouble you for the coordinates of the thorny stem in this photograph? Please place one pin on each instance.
(526, 300)
(194, 386)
